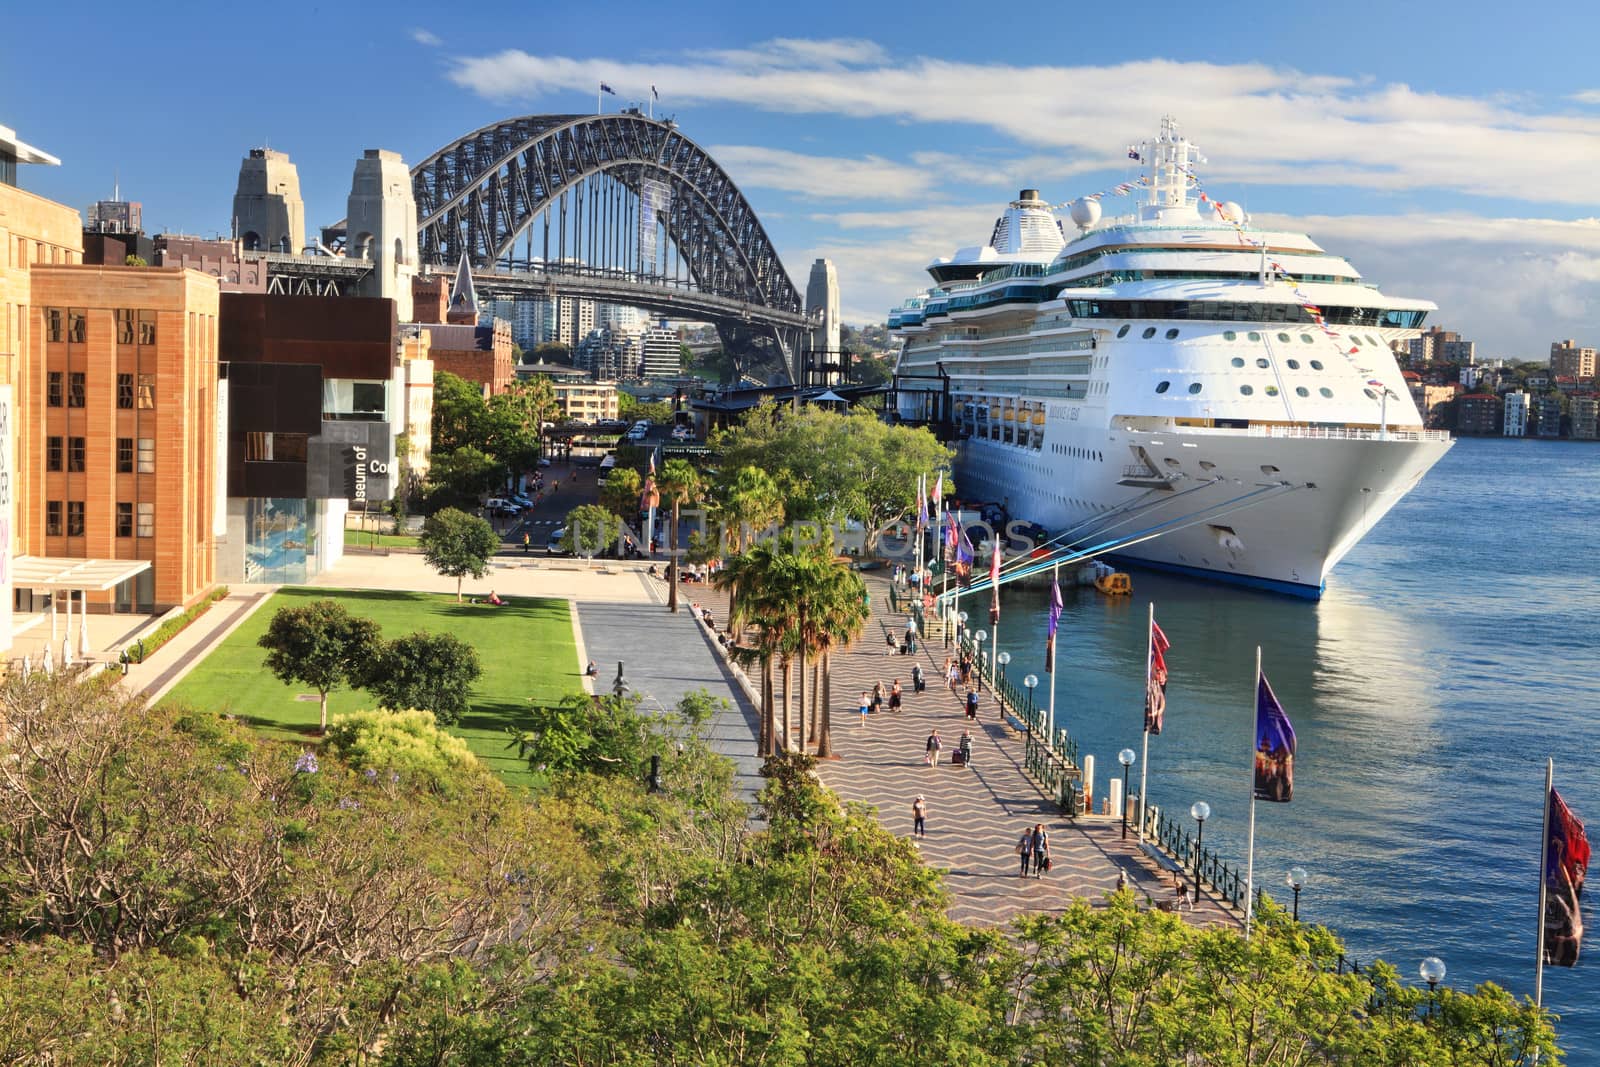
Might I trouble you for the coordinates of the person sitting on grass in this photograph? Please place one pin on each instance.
(494, 599)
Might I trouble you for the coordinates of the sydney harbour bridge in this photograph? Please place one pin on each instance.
(618, 208)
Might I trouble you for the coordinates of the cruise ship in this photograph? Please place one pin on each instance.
(1175, 387)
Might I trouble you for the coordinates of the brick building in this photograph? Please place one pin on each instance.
(1479, 413)
(1568, 359)
(119, 456)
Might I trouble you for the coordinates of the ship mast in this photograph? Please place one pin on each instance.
(1171, 159)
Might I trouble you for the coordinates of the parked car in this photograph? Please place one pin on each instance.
(553, 546)
(521, 501)
(682, 433)
(497, 505)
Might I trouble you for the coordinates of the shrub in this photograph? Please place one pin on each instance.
(407, 743)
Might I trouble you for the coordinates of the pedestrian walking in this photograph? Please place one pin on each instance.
(972, 705)
(889, 639)
(894, 696)
(1041, 850)
(866, 706)
(1025, 850)
(919, 817)
(918, 683)
(934, 745)
(955, 678)
(526, 542)
(965, 748)
(877, 697)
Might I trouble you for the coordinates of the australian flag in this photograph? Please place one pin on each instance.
(604, 88)
(1565, 868)
(1274, 747)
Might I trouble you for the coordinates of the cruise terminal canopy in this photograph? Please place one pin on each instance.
(87, 575)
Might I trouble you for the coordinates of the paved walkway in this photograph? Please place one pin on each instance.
(975, 814)
(167, 665)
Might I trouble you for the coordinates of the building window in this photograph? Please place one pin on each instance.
(147, 392)
(75, 327)
(52, 461)
(124, 326)
(75, 453)
(124, 455)
(147, 520)
(75, 389)
(55, 391)
(52, 518)
(125, 391)
(74, 518)
(124, 519)
(147, 327)
(147, 455)
(52, 324)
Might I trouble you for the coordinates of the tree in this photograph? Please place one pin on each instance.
(409, 744)
(835, 616)
(458, 545)
(433, 672)
(463, 475)
(758, 614)
(591, 529)
(321, 645)
(460, 414)
(621, 492)
(831, 466)
(679, 482)
(134, 261)
(552, 352)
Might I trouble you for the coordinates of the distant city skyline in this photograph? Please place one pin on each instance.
(1445, 163)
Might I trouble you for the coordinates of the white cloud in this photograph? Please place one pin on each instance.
(427, 37)
(1588, 96)
(821, 177)
(1258, 123)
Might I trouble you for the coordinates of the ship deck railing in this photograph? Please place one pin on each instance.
(1325, 433)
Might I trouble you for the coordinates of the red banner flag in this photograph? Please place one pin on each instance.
(1155, 690)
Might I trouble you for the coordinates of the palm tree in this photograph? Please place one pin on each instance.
(679, 482)
(755, 571)
(840, 617)
(746, 502)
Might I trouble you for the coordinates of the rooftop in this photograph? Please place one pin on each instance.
(21, 152)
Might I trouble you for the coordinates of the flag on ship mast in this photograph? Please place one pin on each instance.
(1055, 621)
(1155, 689)
(1275, 744)
(994, 583)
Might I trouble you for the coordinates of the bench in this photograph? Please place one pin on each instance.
(1162, 860)
(1015, 723)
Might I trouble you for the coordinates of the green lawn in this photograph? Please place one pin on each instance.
(526, 650)
(369, 539)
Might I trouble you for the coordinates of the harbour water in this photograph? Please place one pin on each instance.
(1454, 650)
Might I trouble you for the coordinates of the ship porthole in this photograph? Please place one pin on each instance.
(1283, 337)
(1229, 335)
(1301, 390)
(1245, 390)
(1238, 361)
(1263, 364)
(1294, 364)
(1254, 336)
(1149, 332)
(1194, 387)
(1162, 387)
(1172, 335)
(1325, 391)
(1124, 331)
(1306, 337)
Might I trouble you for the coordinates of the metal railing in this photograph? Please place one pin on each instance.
(1052, 762)
(1176, 837)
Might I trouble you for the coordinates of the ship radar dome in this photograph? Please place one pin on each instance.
(1085, 213)
(1232, 212)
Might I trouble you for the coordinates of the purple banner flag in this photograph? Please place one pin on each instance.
(1566, 866)
(1274, 747)
(1055, 621)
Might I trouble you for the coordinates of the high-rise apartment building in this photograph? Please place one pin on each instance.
(607, 355)
(1479, 413)
(1584, 412)
(1437, 345)
(1516, 414)
(660, 355)
(1568, 360)
(115, 216)
(1547, 412)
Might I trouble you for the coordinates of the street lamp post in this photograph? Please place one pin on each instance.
(1432, 972)
(1296, 879)
(1126, 758)
(961, 624)
(1201, 811)
(983, 656)
(620, 686)
(1002, 659)
(1028, 683)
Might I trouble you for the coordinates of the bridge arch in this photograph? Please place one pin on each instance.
(480, 193)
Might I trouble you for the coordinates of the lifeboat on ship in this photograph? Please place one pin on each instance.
(1114, 584)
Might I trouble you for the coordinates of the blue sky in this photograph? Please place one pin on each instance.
(1452, 151)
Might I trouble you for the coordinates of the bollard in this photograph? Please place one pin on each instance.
(1088, 783)
(1114, 789)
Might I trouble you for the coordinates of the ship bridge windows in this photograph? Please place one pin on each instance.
(1228, 311)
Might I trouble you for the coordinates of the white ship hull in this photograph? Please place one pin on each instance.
(1238, 520)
